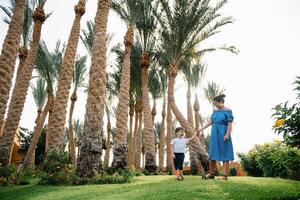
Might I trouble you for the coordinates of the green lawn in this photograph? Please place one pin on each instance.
(163, 187)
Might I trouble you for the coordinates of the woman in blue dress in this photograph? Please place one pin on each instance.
(220, 145)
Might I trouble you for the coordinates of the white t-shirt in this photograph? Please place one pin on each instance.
(179, 144)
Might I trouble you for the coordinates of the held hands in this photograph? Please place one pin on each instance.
(173, 156)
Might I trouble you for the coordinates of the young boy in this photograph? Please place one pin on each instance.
(178, 149)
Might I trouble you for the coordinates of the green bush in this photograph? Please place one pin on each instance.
(279, 160)
(272, 160)
(9, 176)
(122, 176)
(250, 164)
(57, 169)
(232, 171)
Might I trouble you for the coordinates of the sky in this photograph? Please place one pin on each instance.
(267, 33)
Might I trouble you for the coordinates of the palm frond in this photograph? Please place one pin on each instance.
(39, 92)
(212, 90)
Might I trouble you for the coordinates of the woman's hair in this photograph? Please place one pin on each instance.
(219, 98)
(179, 129)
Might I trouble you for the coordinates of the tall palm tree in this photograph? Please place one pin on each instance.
(78, 82)
(190, 72)
(9, 53)
(40, 95)
(183, 28)
(198, 71)
(135, 86)
(108, 146)
(20, 90)
(47, 67)
(211, 90)
(163, 81)
(89, 158)
(128, 10)
(58, 119)
(155, 88)
(146, 26)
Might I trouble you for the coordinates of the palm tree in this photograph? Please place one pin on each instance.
(163, 81)
(212, 90)
(183, 28)
(39, 93)
(146, 26)
(78, 82)
(109, 129)
(191, 72)
(9, 54)
(198, 71)
(20, 90)
(89, 158)
(58, 119)
(128, 10)
(47, 67)
(135, 87)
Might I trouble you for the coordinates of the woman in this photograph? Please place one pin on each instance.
(220, 145)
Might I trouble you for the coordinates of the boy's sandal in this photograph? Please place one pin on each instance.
(208, 176)
(223, 178)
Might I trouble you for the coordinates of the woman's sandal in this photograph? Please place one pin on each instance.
(208, 176)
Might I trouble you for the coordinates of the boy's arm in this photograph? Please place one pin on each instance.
(172, 150)
(193, 137)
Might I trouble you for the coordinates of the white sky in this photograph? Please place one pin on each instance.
(267, 33)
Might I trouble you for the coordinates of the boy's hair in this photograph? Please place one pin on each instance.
(179, 129)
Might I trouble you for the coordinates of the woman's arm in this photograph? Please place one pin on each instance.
(205, 126)
(229, 129)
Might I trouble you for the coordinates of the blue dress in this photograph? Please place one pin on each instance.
(218, 149)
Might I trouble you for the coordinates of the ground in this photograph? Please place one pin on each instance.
(162, 188)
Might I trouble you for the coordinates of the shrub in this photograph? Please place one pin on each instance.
(57, 169)
(9, 176)
(122, 176)
(279, 160)
(232, 171)
(250, 164)
(272, 160)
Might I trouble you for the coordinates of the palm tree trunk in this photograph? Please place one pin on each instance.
(129, 136)
(20, 91)
(198, 120)
(57, 121)
(193, 156)
(107, 152)
(30, 155)
(51, 103)
(72, 143)
(119, 161)
(89, 157)
(150, 159)
(138, 141)
(153, 111)
(162, 140)
(22, 58)
(199, 153)
(9, 55)
(132, 156)
(169, 137)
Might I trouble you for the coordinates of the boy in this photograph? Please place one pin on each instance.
(178, 149)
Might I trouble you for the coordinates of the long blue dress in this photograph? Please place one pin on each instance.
(218, 149)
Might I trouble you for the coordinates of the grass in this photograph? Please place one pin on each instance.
(162, 188)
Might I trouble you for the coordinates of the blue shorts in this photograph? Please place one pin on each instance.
(178, 161)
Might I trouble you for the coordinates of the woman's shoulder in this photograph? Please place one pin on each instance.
(224, 109)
